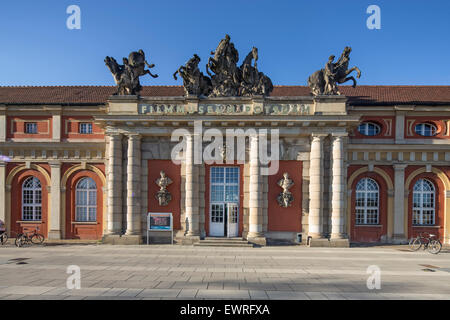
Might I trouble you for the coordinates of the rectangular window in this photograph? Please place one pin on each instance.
(86, 128)
(31, 127)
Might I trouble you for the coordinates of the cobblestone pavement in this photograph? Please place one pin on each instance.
(186, 272)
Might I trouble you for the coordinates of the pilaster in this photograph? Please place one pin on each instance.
(55, 201)
(399, 203)
(3, 191)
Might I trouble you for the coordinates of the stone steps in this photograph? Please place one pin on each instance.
(223, 242)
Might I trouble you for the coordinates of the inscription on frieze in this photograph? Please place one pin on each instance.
(225, 109)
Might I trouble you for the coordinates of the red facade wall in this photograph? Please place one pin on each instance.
(367, 233)
(411, 122)
(438, 229)
(285, 219)
(173, 171)
(77, 230)
(387, 124)
(15, 127)
(17, 226)
(70, 128)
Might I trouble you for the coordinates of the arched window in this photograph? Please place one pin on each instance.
(423, 203)
(31, 199)
(367, 202)
(86, 200)
(369, 129)
(426, 129)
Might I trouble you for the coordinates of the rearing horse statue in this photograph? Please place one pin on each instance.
(323, 81)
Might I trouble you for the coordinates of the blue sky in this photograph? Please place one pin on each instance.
(294, 38)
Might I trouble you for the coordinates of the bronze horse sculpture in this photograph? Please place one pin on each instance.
(332, 74)
(126, 76)
(194, 81)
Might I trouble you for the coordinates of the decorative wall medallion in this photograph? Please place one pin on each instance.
(285, 198)
(163, 196)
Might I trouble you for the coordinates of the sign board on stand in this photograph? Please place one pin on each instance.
(159, 222)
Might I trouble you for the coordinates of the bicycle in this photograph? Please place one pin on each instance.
(26, 238)
(3, 237)
(430, 242)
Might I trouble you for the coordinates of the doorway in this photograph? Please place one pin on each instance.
(224, 206)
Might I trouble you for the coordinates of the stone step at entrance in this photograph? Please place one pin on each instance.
(223, 242)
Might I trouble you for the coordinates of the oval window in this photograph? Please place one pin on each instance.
(369, 129)
(426, 129)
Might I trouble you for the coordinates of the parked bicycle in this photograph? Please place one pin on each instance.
(3, 237)
(428, 241)
(29, 238)
(3, 234)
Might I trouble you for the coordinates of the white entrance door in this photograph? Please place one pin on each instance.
(217, 220)
(224, 208)
(233, 218)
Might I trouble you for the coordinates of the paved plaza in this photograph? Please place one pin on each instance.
(185, 272)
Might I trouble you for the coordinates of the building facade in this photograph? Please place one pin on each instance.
(371, 165)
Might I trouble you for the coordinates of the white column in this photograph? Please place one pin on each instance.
(338, 189)
(316, 188)
(255, 191)
(3, 192)
(399, 201)
(133, 185)
(115, 184)
(55, 201)
(191, 198)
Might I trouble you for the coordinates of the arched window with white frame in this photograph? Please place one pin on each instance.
(424, 194)
(86, 200)
(31, 200)
(367, 202)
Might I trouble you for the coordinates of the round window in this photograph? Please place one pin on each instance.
(426, 129)
(369, 129)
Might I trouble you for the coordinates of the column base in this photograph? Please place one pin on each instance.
(399, 239)
(187, 240)
(314, 235)
(261, 240)
(329, 243)
(54, 235)
(337, 236)
(132, 233)
(122, 240)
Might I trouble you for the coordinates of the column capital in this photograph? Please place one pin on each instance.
(192, 135)
(134, 136)
(55, 164)
(114, 135)
(2, 164)
(318, 136)
(399, 166)
(339, 135)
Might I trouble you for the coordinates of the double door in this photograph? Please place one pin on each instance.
(224, 207)
(224, 220)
